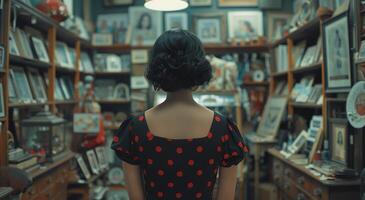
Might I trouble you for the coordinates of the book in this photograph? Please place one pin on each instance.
(25, 163)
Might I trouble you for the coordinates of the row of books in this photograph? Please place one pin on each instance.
(112, 62)
(306, 91)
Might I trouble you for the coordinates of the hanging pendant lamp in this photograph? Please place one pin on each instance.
(166, 5)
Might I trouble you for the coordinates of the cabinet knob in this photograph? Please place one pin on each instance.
(317, 192)
(300, 196)
(300, 180)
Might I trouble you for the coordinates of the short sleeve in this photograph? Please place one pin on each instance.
(123, 143)
(234, 146)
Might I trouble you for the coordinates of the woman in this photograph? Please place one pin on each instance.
(176, 149)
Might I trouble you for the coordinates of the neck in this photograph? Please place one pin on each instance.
(183, 96)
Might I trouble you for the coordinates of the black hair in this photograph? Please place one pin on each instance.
(139, 25)
(178, 62)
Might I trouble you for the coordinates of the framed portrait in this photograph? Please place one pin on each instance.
(13, 48)
(117, 2)
(245, 25)
(139, 56)
(339, 140)
(210, 28)
(237, 3)
(85, 171)
(2, 108)
(277, 23)
(176, 20)
(93, 162)
(139, 82)
(298, 143)
(21, 84)
(113, 63)
(146, 25)
(121, 91)
(86, 123)
(102, 39)
(114, 24)
(200, 2)
(86, 62)
(40, 49)
(337, 55)
(37, 85)
(63, 56)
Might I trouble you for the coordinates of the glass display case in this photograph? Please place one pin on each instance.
(44, 135)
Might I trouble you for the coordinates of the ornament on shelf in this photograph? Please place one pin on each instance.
(56, 9)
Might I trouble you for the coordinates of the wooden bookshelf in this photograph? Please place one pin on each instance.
(316, 67)
(255, 83)
(306, 105)
(279, 74)
(26, 62)
(27, 105)
(113, 101)
(112, 73)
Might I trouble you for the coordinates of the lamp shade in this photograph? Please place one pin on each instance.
(166, 5)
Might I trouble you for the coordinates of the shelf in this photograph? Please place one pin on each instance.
(113, 101)
(254, 84)
(67, 70)
(340, 100)
(311, 68)
(112, 73)
(118, 48)
(279, 74)
(66, 102)
(235, 49)
(25, 62)
(306, 105)
(26, 105)
(222, 92)
(82, 73)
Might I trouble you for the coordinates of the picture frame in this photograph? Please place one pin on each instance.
(139, 56)
(115, 24)
(238, 3)
(101, 155)
(102, 39)
(238, 21)
(40, 49)
(13, 48)
(63, 56)
(86, 62)
(121, 91)
(112, 3)
(64, 89)
(339, 139)
(126, 62)
(2, 107)
(176, 20)
(116, 176)
(23, 44)
(139, 82)
(146, 25)
(37, 85)
(85, 171)
(11, 88)
(113, 63)
(58, 91)
(318, 139)
(276, 24)
(93, 162)
(21, 85)
(337, 59)
(69, 84)
(298, 143)
(86, 123)
(200, 3)
(210, 28)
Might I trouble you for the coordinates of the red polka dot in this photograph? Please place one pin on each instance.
(159, 194)
(141, 149)
(158, 149)
(149, 136)
(190, 185)
(209, 184)
(234, 153)
(136, 138)
(170, 162)
(224, 163)
(191, 162)
(199, 149)
(179, 150)
(141, 118)
(178, 195)
(217, 118)
(219, 148)
(152, 184)
(223, 139)
(226, 156)
(226, 137)
(170, 184)
(199, 172)
(210, 135)
(211, 161)
(240, 144)
(245, 149)
(116, 139)
(149, 161)
(161, 172)
(198, 195)
(135, 158)
(179, 174)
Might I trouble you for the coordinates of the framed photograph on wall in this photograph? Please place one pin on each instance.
(339, 139)
(176, 20)
(113, 63)
(276, 25)
(21, 84)
(210, 28)
(115, 24)
(139, 56)
(102, 39)
(200, 3)
(2, 108)
(337, 55)
(245, 25)
(146, 25)
(238, 3)
(117, 2)
(139, 82)
(40, 49)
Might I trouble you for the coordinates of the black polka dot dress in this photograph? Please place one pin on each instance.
(179, 168)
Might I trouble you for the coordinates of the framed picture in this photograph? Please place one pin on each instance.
(85, 171)
(337, 55)
(13, 48)
(176, 20)
(126, 62)
(86, 123)
(139, 82)
(113, 63)
(101, 155)
(86, 62)
(121, 91)
(58, 91)
(139, 56)
(210, 28)
(114, 24)
(298, 143)
(40, 49)
(37, 85)
(93, 162)
(11, 88)
(63, 56)
(339, 140)
(245, 25)
(200, 2)
(23, 44)
(69, 84)
(2, 57)
(64, 89)
(237, 3)
(146, 25)
(102, 39)
(2, 108)
(117, 2)
(81, 27)
(21, 84)
(116, 176)
(276, 25)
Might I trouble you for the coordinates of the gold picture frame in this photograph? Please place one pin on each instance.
(208, 29)
(238, 3)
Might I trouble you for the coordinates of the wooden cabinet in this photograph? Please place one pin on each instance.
(297, 183)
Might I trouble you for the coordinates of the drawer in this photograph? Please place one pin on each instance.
(289, 174)
(278, 172)
(289, 188)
